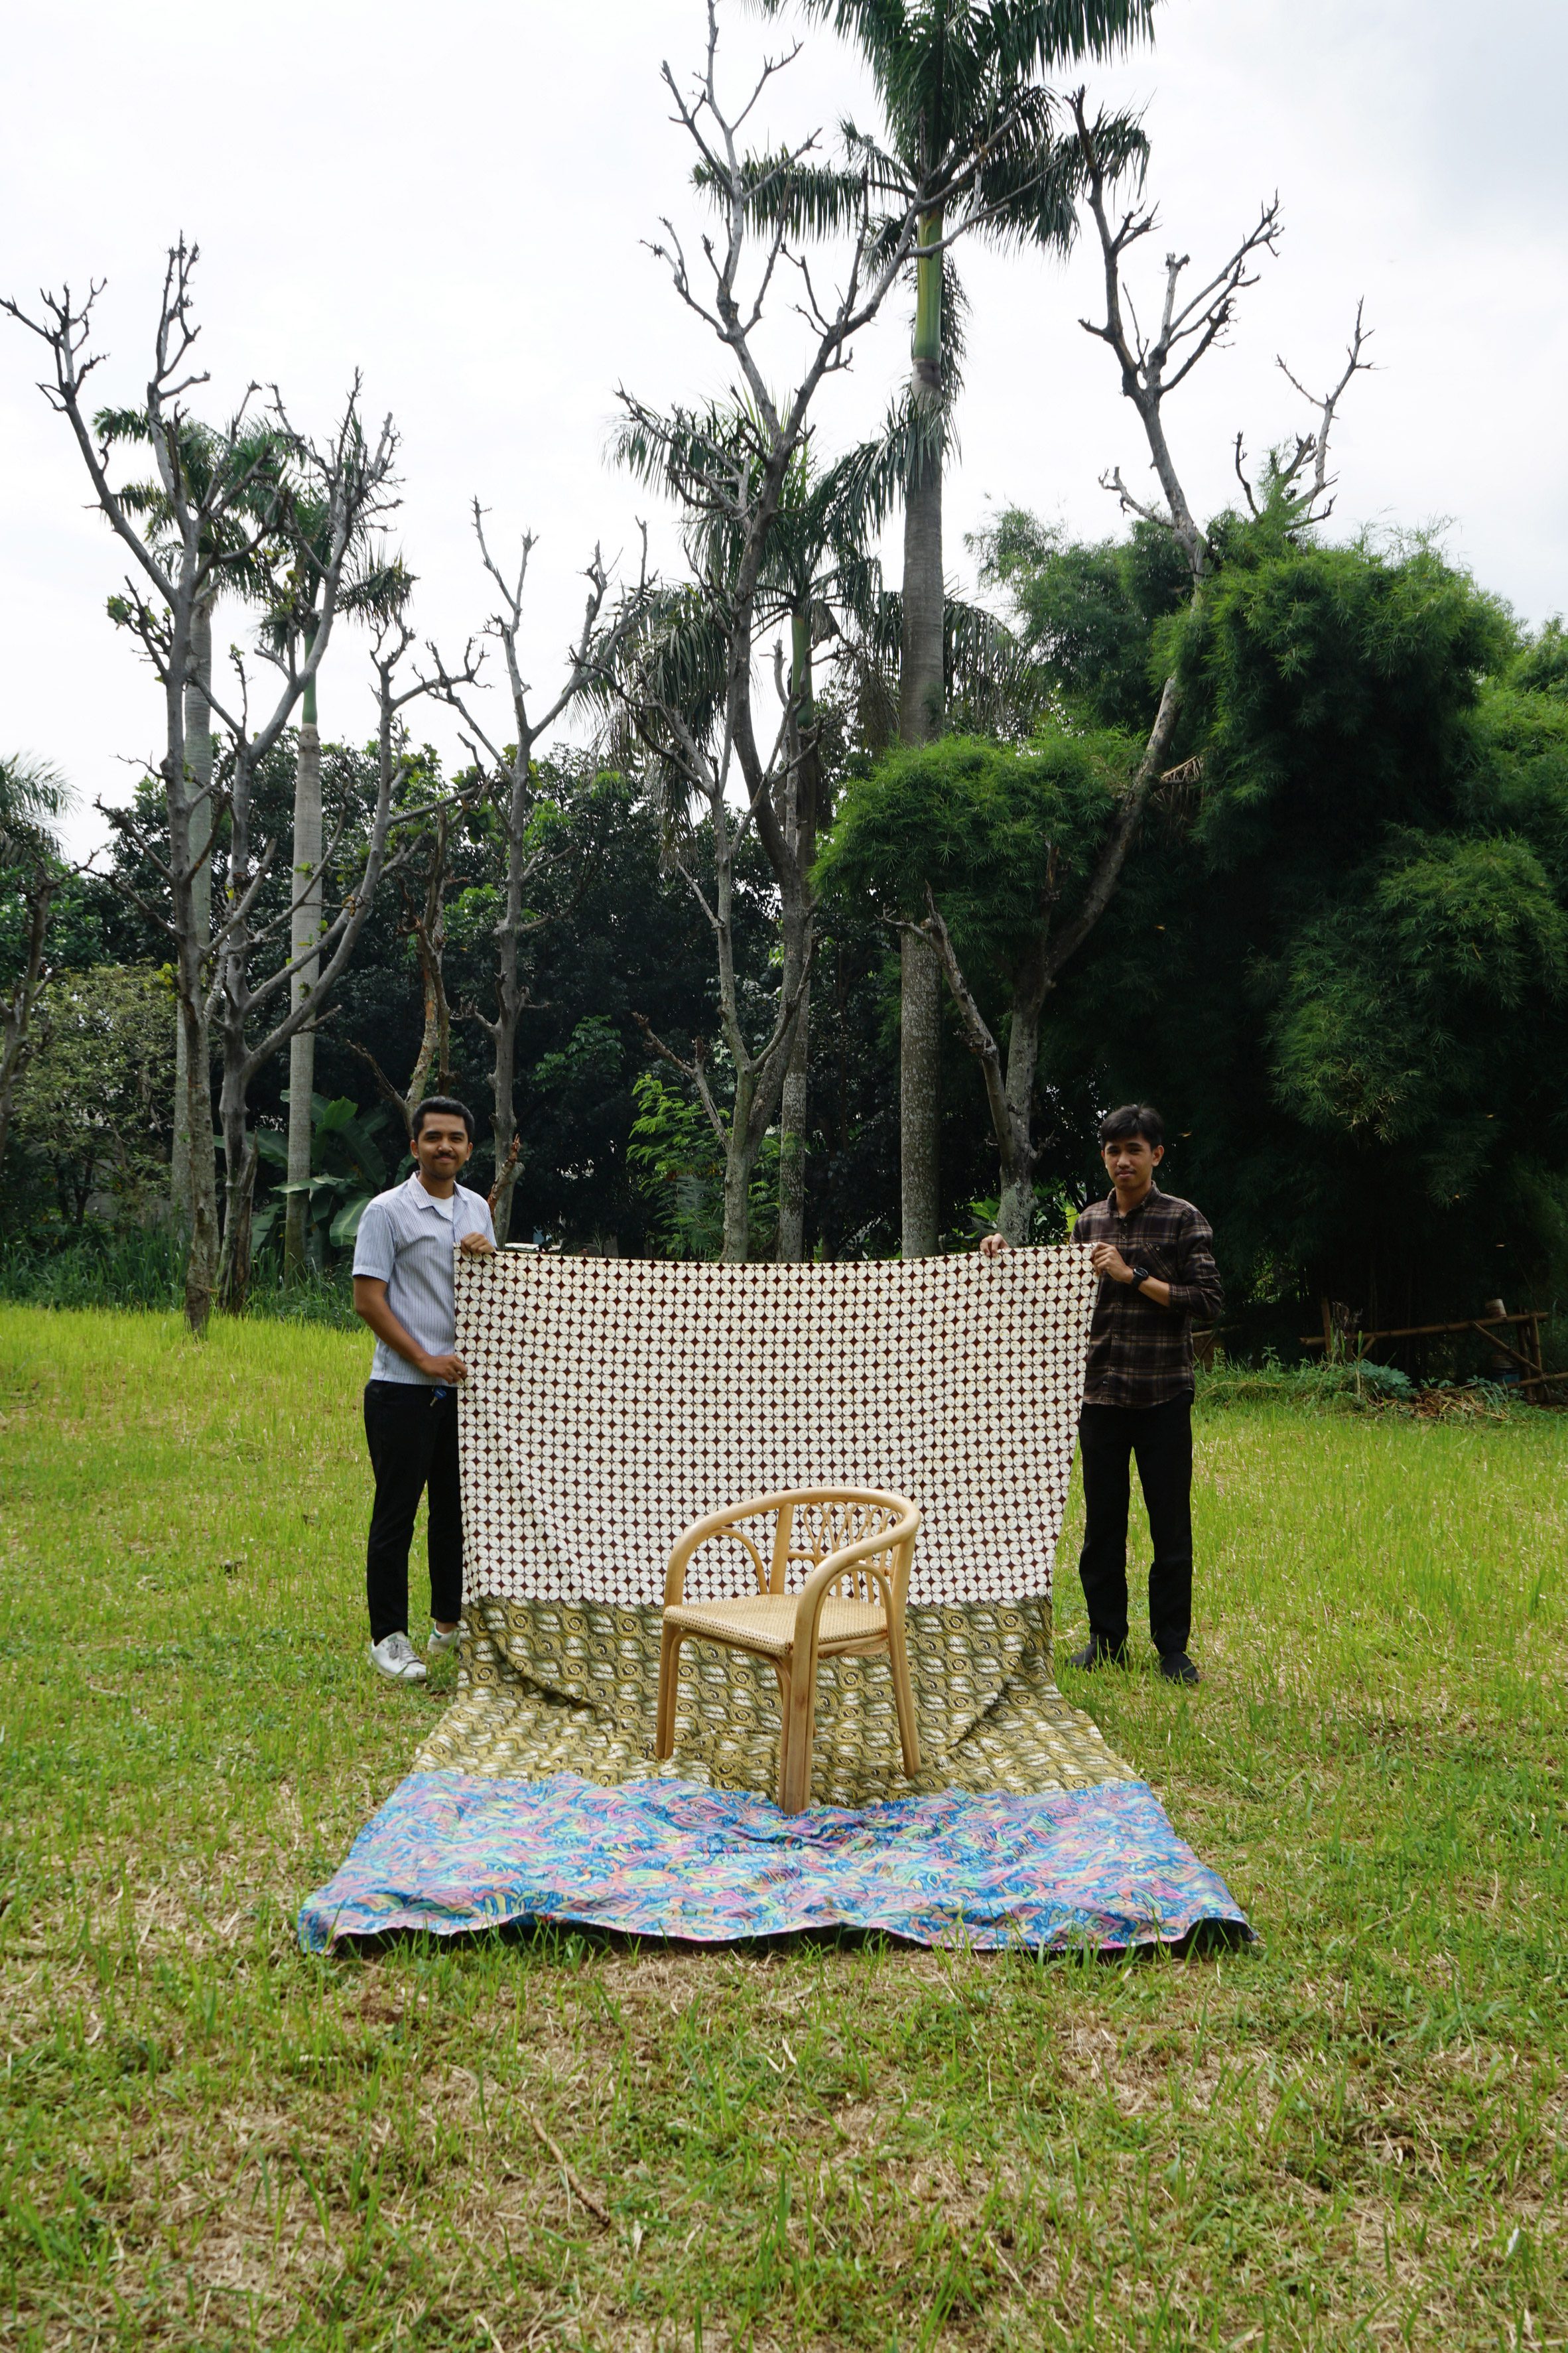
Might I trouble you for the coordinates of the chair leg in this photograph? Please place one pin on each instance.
(796, 1775)
(903, 1698)
(668, 1690)
(784, 1675)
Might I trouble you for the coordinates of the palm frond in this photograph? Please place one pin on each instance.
(33, 798)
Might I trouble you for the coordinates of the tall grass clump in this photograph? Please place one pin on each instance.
(144, 1267)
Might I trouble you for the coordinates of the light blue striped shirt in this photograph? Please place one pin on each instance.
(407, 1239)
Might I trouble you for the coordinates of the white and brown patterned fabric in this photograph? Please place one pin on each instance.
(610, 1402)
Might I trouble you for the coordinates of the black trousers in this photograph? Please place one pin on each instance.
(1161, 1437)
(413, 1439)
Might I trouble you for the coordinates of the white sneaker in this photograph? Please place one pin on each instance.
(395, 1657)
(439, 1644)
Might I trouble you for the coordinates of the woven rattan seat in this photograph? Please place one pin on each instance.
(857, 1545)
(767, 1625)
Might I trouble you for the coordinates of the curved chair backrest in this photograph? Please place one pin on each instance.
(816, 1522)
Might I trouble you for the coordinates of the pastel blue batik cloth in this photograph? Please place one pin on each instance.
(1101, 1868)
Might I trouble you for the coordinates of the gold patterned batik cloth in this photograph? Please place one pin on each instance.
(611, 1402)
(548, 1687)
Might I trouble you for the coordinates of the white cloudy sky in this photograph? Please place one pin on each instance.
(454, 201)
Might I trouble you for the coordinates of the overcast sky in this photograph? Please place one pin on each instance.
(455, 202)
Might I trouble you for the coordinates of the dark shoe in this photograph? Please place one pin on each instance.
(1178, 1668)
(1098, 1652)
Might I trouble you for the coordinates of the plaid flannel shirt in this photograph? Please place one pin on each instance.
(1141, 1354)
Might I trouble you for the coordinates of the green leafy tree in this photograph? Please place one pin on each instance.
(1344, 974)
(999, 842)
(92, 1106)
(1086, 613)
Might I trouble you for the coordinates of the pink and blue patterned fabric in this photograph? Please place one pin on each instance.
(1100, 1868)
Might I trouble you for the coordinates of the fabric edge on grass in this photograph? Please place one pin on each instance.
(450, 1852)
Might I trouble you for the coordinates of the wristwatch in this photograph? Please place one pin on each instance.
(1141, 1275)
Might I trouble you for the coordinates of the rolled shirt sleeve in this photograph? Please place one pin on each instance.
(1197, 1290)
(375, 1245)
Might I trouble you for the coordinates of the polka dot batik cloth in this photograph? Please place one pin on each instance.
(610, 1402)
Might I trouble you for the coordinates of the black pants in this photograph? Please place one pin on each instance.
(1161, 1436)
(413, 1437)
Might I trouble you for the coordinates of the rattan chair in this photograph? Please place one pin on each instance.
(858, 1544)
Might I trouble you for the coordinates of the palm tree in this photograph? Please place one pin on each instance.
(202, 452)
(969, 132)
(816, 576)
(33, 797)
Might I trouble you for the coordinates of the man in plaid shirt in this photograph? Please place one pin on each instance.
(1154, 1256)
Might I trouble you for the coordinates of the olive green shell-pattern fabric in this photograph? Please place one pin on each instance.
(551, 1687)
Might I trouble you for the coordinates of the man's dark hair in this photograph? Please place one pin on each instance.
(447, 1103)
(1133, 1119)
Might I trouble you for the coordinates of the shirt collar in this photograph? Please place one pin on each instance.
(447, 1208)
(1153, 1193)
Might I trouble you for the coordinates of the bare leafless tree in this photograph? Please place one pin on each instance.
(424, 887)
(211, 521)
(1152, 366)
(239, 994)
(526, 852)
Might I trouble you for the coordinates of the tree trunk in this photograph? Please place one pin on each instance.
(792, 1137)
(503, 1125)
(1015, 1209)
(919, 1066)
(739, 1159)
(240, 1155)
(801, 842)
(199, 769)
(921, 697)
(509, 988)
(306, 929)
(193, 942)
(201, 1260)
(921, 715)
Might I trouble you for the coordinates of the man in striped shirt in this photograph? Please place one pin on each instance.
(1155, 1257)
(404, 1253)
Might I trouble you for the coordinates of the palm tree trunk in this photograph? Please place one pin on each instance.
(922, 700)
(919, 1102)
(305, 929)
(199, 769)
(240, 1156)
(793, 1101)
(511, 989)
(920, 715)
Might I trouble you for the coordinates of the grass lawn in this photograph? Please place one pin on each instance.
(1355, 2133)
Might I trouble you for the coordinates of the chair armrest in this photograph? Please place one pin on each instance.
(721, 1522)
